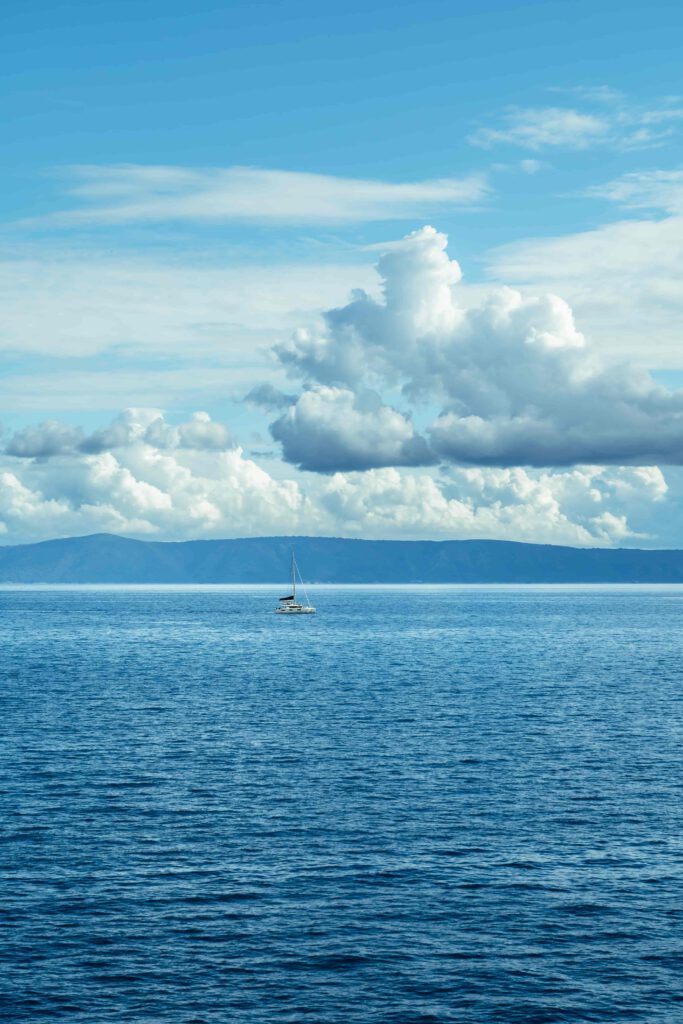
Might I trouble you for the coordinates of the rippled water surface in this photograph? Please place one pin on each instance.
(420, 805)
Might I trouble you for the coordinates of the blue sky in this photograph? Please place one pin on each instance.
(185, 187)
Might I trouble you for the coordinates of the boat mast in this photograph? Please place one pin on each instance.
(293, 578)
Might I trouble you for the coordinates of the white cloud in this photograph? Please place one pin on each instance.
(606, 118)
(143, 333)
(624, 279)
(130, 426)
(332, 428)
(44, 440)
(77, 305)
(389, 338)
(640, 190)
(584, 506)
(50, 438)
(143, 487)
(539, 127)
(516, 381)
(128, 193)
(202, 434)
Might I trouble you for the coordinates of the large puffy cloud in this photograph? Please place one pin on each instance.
(200, 432)
(144, 486)
(151, 478)
(583, 506)
(332, 428)
(390, 339)
(516, 381)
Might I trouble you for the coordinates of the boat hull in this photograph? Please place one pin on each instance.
(295, 609)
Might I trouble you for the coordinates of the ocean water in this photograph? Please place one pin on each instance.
(421, 805)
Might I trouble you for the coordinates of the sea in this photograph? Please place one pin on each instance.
(420, 805)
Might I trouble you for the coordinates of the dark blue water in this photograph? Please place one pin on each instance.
(420, 805)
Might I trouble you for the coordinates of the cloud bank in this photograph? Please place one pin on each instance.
(331, 428)
(143, 476)
(147, 426)
(515, 381)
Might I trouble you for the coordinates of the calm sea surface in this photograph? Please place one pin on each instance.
(420, 805)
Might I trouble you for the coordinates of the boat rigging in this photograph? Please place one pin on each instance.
(288, 604)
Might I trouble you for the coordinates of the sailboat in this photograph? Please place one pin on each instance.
(288, 604)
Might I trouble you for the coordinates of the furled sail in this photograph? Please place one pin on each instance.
(289, 605)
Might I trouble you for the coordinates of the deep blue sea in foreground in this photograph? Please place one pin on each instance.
(420, 805)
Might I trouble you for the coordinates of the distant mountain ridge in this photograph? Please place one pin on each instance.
(107, 558)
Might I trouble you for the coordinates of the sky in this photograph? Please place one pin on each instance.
(395, 270)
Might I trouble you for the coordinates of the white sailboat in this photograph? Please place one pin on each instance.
(289, 604)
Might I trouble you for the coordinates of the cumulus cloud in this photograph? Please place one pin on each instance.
(125, 193)
(50, 439)
(387, 339)
(149, 486)
(123, 430)
(44, 440)
(516, 381)
(624, 280)
(584, 506)
(142, 489)
(202, 433)
(332, 428)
